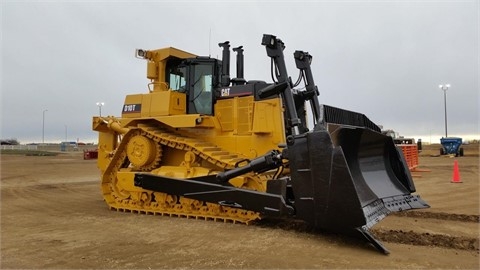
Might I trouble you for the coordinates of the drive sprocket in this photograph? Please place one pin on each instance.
(143, 153)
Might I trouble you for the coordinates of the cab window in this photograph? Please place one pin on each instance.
(202, 88)
(177, 79)
(176, 75)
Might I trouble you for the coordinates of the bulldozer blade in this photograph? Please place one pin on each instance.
(347, 178)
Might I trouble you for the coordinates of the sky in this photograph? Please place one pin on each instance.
(384, 59)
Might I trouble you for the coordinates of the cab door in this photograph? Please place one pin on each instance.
(202, 83)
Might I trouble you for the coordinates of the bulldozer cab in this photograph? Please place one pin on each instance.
(196, 77)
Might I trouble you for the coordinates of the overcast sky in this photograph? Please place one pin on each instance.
(381, 58)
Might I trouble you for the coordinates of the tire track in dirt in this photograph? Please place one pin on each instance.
(49, 198)
(439, 215)
(417, 238)
(427, 239)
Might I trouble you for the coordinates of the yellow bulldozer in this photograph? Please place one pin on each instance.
(203, 145)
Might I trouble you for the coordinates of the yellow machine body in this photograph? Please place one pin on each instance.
(199, 144)
(157, 135)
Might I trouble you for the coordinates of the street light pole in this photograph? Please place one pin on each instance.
(100, 104)
(43, 127)
(445, 87)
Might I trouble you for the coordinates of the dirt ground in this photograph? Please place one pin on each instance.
(53, 216)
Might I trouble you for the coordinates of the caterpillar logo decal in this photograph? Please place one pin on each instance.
(225, 92)
(132, 108)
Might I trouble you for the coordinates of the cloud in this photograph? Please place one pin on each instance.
(384, 59)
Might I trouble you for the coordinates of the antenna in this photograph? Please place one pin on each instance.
(209, 42)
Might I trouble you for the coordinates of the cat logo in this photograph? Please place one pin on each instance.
(225, 92)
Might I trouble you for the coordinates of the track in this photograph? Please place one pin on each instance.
(143, 148)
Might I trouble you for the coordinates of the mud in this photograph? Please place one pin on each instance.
(439, 216)
(427, 239)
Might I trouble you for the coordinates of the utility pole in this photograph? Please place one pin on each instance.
(445, 87)
(43, 127)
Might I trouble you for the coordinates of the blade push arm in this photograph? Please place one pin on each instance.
(271, 160)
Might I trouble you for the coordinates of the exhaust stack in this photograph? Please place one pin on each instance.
(225, 80)
(239, 80)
